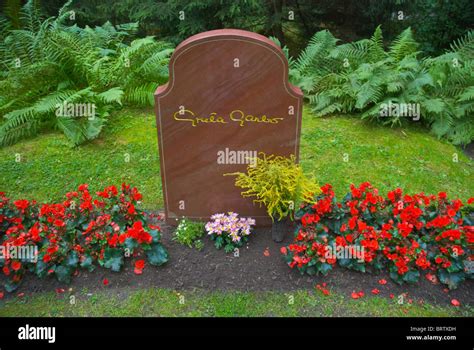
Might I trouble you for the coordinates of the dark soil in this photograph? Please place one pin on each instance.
(253, 270)
(469, 150)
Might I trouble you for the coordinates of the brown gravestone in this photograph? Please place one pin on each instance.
(228, 98)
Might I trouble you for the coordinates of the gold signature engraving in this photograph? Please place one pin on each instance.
(237, 116)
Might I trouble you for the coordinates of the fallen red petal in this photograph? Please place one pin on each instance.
(455, 302)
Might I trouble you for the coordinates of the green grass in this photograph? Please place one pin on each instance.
(409, 158)
(127, 151)
(162, 302)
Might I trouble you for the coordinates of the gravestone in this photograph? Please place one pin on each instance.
(228, 98)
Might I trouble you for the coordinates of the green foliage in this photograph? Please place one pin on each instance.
(450, 103)
(47, 63)
(174, 20)
(278, 183)
(189, 233)
(363, 77)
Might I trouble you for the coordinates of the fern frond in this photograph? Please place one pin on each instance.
(404, 45)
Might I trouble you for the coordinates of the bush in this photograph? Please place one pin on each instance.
(362, 77)
(405, 234)
(78, 233)
(47, 64)
(277, 183)
(189, 232)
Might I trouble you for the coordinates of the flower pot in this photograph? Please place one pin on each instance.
(279, 229)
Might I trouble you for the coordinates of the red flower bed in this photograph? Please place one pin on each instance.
(80, 232)
(405, 234)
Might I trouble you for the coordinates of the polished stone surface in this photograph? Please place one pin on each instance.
(227, 98)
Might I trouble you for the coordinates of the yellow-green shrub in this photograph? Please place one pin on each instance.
(278, 183)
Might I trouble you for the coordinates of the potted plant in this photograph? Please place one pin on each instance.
(279, 184)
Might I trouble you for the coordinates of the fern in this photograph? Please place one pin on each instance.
(404, 45)
(47, 63)
(362, 77)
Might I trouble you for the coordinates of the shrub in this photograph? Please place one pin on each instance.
(405, 234)
(363, 77)
(189, 232)
(276, 182)
(47, 63)
(229, 231)
(82, 231)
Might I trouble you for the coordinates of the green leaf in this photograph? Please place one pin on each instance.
(229, 248)
(41, 268)
(156, 234)
(452, 280)
(113, 259)
(131, 244)
(63, 273)
(157, 254)
(87, 263)
(325, 268)
(11, 286)
(411, 276)
(219, 242)
(72, 259)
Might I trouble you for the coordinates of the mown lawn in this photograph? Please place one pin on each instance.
(338, 150)
(162, 302)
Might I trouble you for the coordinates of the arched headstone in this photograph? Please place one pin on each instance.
(228, 98)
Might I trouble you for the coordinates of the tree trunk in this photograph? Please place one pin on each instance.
(274, 18)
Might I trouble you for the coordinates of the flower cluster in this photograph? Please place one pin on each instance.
(80, 232)
(406, 234)
(229, 231)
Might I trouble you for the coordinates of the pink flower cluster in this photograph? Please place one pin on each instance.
(233, 226)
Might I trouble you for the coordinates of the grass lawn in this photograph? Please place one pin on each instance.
(162, 302)
(128, 151)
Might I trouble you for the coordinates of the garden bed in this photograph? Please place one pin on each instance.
(254, 270)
